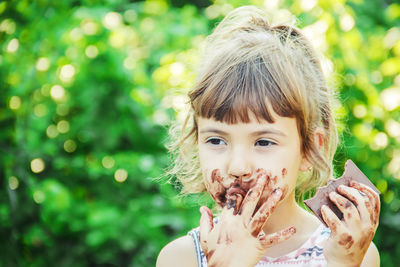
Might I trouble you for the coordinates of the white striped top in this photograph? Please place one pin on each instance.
(310, 254)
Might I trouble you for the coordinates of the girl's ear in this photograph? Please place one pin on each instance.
(319, 137)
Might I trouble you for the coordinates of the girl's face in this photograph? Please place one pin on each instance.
(232, 157)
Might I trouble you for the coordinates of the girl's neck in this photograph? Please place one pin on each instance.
(289, 213)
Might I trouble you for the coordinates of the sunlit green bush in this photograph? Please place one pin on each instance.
(87, 89)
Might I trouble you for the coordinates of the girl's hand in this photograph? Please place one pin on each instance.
(238, 239)
(351, 236)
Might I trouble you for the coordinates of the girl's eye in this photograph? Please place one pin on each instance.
(216, 141)
(264, 142)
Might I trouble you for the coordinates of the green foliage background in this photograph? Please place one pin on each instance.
(87, 89)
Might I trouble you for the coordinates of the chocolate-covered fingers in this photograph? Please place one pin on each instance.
(372, 195)
(373, 202)
(350, 212)
(206, 225)
(275, 238)
(234, 202)
(331, 219)
(261, 216)
(358, 198)
(252, 198)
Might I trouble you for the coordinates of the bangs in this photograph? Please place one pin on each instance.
(248, 86)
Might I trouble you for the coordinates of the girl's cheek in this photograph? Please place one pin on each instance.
(214, 185)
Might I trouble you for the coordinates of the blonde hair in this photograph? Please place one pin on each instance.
(246, 62)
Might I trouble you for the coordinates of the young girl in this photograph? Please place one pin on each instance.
(263, 134)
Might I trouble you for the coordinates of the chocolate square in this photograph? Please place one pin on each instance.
(351, 172)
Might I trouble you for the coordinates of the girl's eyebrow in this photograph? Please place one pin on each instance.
(213, 130)
(256, 133)
(268, 131)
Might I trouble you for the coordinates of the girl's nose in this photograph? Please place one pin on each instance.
(239, 166)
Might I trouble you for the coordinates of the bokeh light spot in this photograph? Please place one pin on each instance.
(359, 111)
(212, 12)
(349, 79)
(76, 34)
(389, 196)
(307, 5)
(391, 98)
(177, 68)
(15, 102)
(14, 78)
(147, 24)
(179, 102)
(380, 141)
(13, 45)
(112, 20)
(37, 165)
(13, 182)
(391, 37)
(394, 165)
(390, 66)
(155, 7)
(108, 162)
(120, 175)
(160, 117)
(376, 77)
(8, 26)
(62, 109)
(38, 196)
(57, 92)
(130, 15)
(89, 27)
(43, 64)
(52, 131)
(40, 110)
(382, 185)
(67, 72)
(117, 39)
(63, 126)
(316, 32)
(129, 63)
(393, 128)
(271, 4)
(70, 146)
(146, 163)
(393, 11)
(347, 22)
(91, 51)
(45, 89)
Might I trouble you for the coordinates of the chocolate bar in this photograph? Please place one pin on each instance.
(351, 172)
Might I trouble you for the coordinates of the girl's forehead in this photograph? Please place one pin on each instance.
(253, 119)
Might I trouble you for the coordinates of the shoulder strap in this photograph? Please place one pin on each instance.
(199, 253)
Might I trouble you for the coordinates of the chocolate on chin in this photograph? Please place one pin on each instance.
(351, 172)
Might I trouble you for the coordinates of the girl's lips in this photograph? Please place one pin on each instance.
(236, 191)
(234, 198)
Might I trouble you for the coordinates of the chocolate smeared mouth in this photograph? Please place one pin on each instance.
(235, 194)
(225, 196)
(235, 197)
(236, 191)
(232, 195)
(221, 197)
